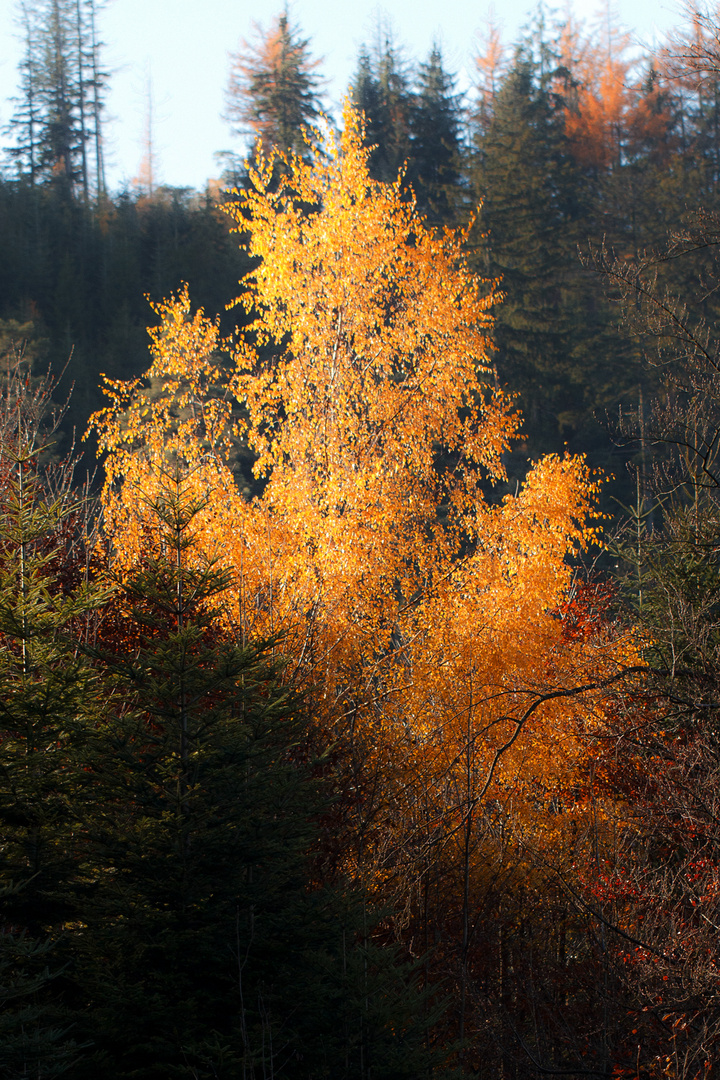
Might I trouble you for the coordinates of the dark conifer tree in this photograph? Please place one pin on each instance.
(61, 149)
(435, 165)
(381, 89)
(48, 704)
(273, 92)
(57, 125)
(553, 335)
(25, 125)
(519, 180)
(207, 948)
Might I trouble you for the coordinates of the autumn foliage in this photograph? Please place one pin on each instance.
(612, 113)
(368, 402)
(418, 610)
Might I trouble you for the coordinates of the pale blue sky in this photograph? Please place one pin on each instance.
(185, 45)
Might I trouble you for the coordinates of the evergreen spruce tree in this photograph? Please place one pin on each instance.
(26, 120)
(209, 946)
(554, 338)
(48, 703)
(57, 125)
(198, 826)
(435, 165)
(60, 143)
(381, 89)
(519, 178)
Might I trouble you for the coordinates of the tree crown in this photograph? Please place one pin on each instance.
(273, 91)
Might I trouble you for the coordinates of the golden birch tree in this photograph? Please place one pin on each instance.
(418, 613)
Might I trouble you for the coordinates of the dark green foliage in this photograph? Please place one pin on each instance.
(414, 124)
(381, 89)
(34, 1035)
(48, 697)
(200, 822)
(555, 341)
(522, 177)
(47, 686)
(435, 161)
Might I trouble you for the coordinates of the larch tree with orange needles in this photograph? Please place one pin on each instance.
(613, 111)
(491, 63)
(418, 616)
(273, 91)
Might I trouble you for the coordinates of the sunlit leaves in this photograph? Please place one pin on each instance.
(420, 617)
(177, 419)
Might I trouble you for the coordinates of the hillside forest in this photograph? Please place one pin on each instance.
(360, 619)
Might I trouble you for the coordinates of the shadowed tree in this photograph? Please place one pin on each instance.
(57, 124)
(381, 90)
(435, 153)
